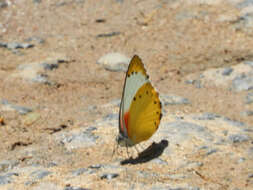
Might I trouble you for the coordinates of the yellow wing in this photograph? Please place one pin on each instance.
(136, 65)
(144, 114)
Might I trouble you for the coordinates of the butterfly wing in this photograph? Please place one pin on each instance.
(135, 77)
(132, 112)
(145, 114)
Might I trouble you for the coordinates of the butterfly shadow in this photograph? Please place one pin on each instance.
(153, 151)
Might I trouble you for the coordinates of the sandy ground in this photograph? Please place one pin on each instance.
(174, 39)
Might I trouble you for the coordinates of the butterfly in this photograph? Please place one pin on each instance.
(140, 107)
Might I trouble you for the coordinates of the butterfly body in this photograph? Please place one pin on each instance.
(140, 108)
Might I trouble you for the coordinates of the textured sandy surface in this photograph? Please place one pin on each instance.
(177, 41)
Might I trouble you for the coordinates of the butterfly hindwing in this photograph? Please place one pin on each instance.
(144, 114)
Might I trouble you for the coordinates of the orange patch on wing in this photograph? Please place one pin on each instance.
(126, 119)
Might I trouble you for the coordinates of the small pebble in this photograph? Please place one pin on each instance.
(114, 62)
(109, 176)
(247, 113)
(238, 138)
(227, 71)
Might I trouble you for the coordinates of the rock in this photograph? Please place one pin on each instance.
(241, 160)
(51, 164)
(7, 178)
(4, 180)
(3, 4)
(243, 82)
(196, 83)
(234, 122)
(36, 72)
(77, 139)
(35, 39)
(245, 3)
(30, 118)
(244, 23)
(180, 131)
(96, 166)
(41, 78)
(109, 176)
(11, 107)
(173, 100)
(211, 151)
(105, 35)
(227, 71)
(74, 188)
(207, 116)
(112, 116)
(250, 63)
(114, 62)
(79, 171)
(16, 45)
(46, 186)
(166, 187)
(6, 165)
(40, 174)
(3, 44)
(249, 98)
(37, 1)
(238, 138)
(50, 66)
(247, 113)
(193, 165)
(159, 161)
(186, 15)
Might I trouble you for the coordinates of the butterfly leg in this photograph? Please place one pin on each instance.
(135, 147)
(114, 149)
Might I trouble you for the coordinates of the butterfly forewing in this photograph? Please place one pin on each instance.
(135, 77)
